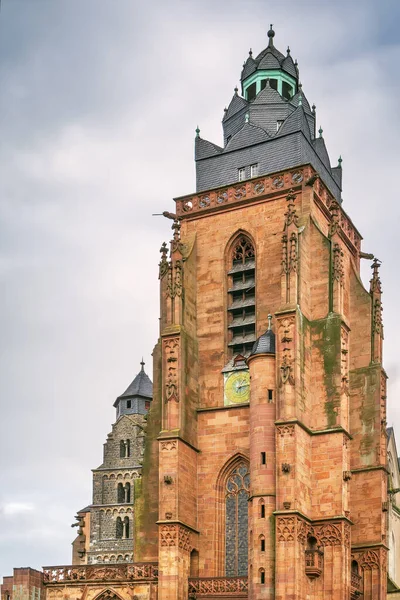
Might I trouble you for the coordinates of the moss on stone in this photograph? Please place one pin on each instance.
(328, 332)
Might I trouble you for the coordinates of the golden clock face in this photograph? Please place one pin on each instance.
(237, 387)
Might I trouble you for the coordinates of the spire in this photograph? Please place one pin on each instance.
(340, 160)
(320, 131)
(197, 132)
(269, 322)
(142, 365)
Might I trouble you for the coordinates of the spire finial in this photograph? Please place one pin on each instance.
(236, 90)
(300, 100)
(288, 50)
(142, 364)
(269, 322)
(313, 108)
(271, 34)
(247, 118)
(251, 53)
(320, 131)
(197, 131)
(340, 160)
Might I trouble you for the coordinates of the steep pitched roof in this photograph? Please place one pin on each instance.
(288, 66)
(297, 121)
(294, 100)
(269, 61)
(140, 386)
(320, 148)
(236, 104)
(247, 136)
(204, 148)
(249, 67)
(269, 96)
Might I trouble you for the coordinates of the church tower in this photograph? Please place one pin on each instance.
(105, 528)
(266, 455)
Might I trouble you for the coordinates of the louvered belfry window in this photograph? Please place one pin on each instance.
(242, 298)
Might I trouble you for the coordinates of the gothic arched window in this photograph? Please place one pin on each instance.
(236, 519)
(242, 297)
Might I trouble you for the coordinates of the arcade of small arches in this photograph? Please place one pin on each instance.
(122, 475)
(112, 558)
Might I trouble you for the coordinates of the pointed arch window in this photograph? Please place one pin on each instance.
(242, 297)
(236, 521)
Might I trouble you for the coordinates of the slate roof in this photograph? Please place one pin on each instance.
(297, 121)
(247, 136)
(236, 104)
(265, 344)
(270, 131)
(204, 148)
(269, 96)
(140, 386)
(270, 58)
(319, 145)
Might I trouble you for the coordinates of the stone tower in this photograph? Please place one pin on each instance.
(266, 457)
(105, 529)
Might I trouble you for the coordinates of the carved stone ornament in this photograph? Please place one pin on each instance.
(375, 283)
(171, 350)
(286, 338)
(163, 262)
(328, 534)
(335, 215)
(377, 317)
(290, 214)
(217, 586)
(285, 528)
(337, 266)
(168, 445)
(285, 430)
(169, 535)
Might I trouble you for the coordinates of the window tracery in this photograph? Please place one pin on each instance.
(236, 521)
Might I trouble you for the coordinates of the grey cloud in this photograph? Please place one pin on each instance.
(98, 108)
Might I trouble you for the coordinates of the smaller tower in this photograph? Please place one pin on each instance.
(262, 500)
(109, 520)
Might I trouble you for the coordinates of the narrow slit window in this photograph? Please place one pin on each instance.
(262, 544)
(270, 395)
(263, 458)
(262, 576)
(262, 511)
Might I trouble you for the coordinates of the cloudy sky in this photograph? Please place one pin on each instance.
(98, 106)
